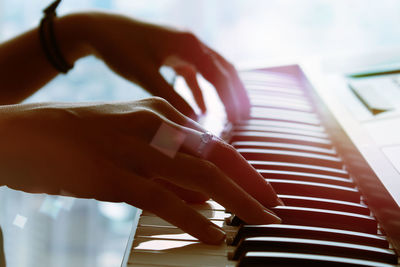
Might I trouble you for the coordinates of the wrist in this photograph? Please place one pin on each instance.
(72, 33)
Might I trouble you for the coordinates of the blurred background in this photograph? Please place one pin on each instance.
(64, 231)
(246, 32)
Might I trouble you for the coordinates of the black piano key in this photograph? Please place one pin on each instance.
(323, 203)
(234, 221)
(281, 138)
(291, 157)
(311, 189)
(307, 177)
(313, 246)
(278, 129)
(285, 146)
(261, 259)
(326, 218)
(319, 233)
(294, 125)
(320, 218)
(287, 166)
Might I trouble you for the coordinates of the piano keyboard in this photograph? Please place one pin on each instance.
(326, 220)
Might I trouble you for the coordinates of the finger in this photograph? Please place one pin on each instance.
(193, 173)
(147, 195)
(189, 74)
(224, 156)
(185, 194)
(239, 170)
(166, 110)
(153, 81)
(240, 91)
(211, 70)
(200, 175)
(234, 165)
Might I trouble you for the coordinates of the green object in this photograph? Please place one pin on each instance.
(379, 70)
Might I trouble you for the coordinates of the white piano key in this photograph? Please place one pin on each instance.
(223, 225)
(282, 124)
(210, 214)
(277, 129)
(276, 103)
(163, 233)
(208, 205)
(152, 265)
(268, 88)
(169, 233)
(153, 220)
(180, 247)
(264, 98)
(172, 259)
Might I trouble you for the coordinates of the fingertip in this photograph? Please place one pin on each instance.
(272, 218)
(203, 108)
(245, 113)
(279, 202)
(214, 235)
(232, 115)
(192, 115)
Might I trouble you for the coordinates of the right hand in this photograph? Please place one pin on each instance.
(103, 151)
(136, 50)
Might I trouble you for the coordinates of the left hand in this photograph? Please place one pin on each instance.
(136, 50)
(122, 152)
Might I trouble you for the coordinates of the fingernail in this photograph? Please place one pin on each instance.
(273, 218)
(215, 234)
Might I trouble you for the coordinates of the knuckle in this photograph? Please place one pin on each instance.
(224, 146)
(147, 119)
(165, 108)
(189, 37)
(160, 103)
(145, 102)
(146, 114)
(231, 68)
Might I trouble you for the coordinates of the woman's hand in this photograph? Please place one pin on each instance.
(133, 49)
(136, 50)
(110, 152)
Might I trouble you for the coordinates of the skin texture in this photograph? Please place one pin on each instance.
(102, 151)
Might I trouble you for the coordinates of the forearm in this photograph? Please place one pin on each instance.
(24, 67)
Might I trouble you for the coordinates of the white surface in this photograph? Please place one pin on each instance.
(393, 154)
(370, 133)
(384, 132)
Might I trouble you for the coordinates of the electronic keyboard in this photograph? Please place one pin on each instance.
(336, 213)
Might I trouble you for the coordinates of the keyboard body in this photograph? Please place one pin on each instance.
(337, 212)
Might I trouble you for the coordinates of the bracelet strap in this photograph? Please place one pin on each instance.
(48, 39)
